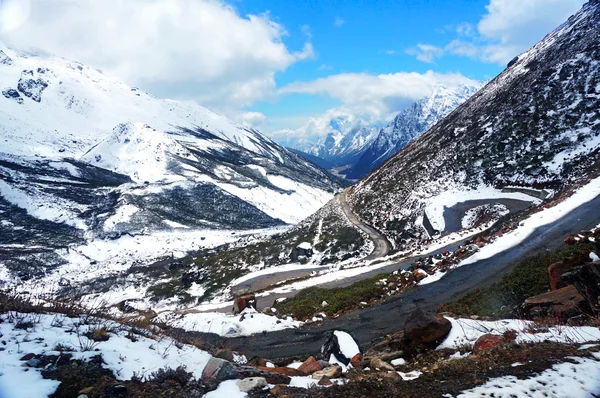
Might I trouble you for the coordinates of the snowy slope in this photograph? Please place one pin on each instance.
(536, 125)
(409, 124)
(86, 157)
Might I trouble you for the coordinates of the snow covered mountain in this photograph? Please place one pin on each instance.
(536, 125)
(84, 157)
(409, 124)
(343, 145)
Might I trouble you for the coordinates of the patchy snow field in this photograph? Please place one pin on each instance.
(245, 324)
(579, 378)
(467, 331)
(121, 355)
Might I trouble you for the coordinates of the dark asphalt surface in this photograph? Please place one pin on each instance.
(453, 215)
(374, 322)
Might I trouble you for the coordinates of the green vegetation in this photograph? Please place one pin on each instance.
(528, 278)
(216, 269)
(309, 301)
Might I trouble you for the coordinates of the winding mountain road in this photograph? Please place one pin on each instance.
(382, 244)
(381, 249)
(374, 322)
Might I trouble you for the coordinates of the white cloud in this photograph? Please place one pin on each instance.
(198, 49)
(507, 29)
(325, 67)
(426, 52)
(252, 119)
(338, 22)
(390, 52)
(369, 99)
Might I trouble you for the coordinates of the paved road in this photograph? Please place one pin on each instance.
(453, 215)
(382, 248)
(382, 244)
(371, 323)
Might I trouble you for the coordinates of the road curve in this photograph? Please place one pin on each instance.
(382, 244)
(388, 317)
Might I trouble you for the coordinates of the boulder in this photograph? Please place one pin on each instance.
(325, 381)
(563, 303)
(486, 342)
(332, 372)
(426, 327)
(216, 371)
(356, 360)
(251, 383)
(309, 367)
(586, 279)
(377, 363)
(555, 273)
(243, 302)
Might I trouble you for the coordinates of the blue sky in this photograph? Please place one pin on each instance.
(382, 37)
(275, 64)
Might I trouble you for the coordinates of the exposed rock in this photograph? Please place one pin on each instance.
(225, 354)
(257, 361)
(5, 59)
(562, 303)
(271, 377)
(11, 93)
(332, 372)
(216, 371)
(309, 367)
(281, 370)
(251, 383)
(426, 327)
(30, 87)
(586, 279)
(486, 342)
(356, 360)
(325, 381)
(323, 364)
(378, 364)
(243, 302)
(555, 272)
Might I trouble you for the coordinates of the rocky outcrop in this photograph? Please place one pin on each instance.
(31, 87)
(586, 280)
(13, 94)
(5, 59)
(426, 327)
(562, 303)
(216, 371)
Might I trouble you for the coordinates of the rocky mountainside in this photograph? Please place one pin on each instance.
(86, 158)
(535, 125)
(409, 124)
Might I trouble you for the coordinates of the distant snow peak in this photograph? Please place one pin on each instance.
(5, 59)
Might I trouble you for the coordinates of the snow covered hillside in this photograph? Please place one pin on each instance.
(409, 124)
(536, 125)
(86, 158)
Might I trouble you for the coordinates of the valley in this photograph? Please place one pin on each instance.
(440, 240)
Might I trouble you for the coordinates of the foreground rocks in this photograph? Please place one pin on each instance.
(562, 304)
(426, 327)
